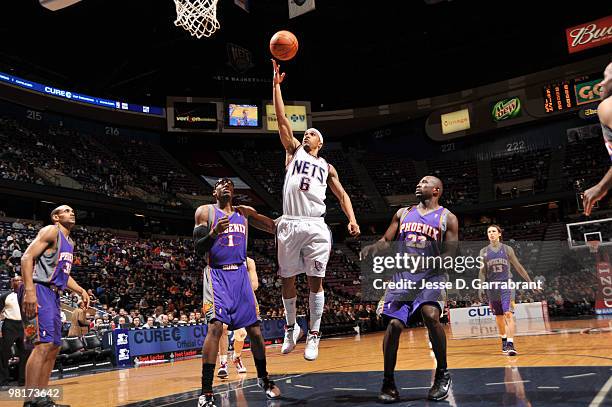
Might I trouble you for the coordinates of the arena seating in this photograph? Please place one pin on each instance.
(525, 165)
(394, 174)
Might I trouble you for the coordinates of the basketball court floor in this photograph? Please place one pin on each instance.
(569, 363)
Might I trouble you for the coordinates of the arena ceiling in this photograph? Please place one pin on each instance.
(352, 53)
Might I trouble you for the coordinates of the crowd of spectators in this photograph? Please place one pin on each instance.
(115, 168)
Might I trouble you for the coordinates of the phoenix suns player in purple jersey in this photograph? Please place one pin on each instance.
(46, 266)
(220, 235)
(421, 229)
(497, 258)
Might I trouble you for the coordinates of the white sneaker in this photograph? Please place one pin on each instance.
(292, 336)
(206, 401)
(240, 367)
(311, 352)
(222, 372)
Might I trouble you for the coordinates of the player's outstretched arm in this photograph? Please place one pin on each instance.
(517, 264)
(284, 127)
(383, 243)
(597, 192)
(45, 239)
(451, 237)
(345, 201)
(257, 220)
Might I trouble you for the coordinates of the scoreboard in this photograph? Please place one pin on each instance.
(558, 96)
(568, 94)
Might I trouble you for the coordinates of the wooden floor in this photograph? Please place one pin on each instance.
(576, 347)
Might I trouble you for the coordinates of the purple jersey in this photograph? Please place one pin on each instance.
(55, 268)
(422, 233)
(231, 245)
(497, 263)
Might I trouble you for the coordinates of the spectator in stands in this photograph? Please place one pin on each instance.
(150, 323)
(11, 333)
(135, 323)
(79, 325)
(121, 323)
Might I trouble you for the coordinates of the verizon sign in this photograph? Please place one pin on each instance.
(589, 35)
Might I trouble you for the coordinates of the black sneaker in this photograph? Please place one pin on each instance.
(46, 402)
(270, 388)
(511, 350)
(206, 400)
(442, 383)
(388, 392)
(505, 348)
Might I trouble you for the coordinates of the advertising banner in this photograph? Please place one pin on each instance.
(589, 35)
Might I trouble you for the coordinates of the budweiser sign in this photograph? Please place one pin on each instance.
(589, 35)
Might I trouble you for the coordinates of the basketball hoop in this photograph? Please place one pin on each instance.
(593, 245)
(199, 17)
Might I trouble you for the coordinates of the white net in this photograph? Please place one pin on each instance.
(199, 17)
(593, 245)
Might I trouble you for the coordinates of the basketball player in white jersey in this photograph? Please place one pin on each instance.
(304, 240)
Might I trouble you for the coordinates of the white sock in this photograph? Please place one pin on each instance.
(510, 340)
(316, 303)
(503, 336)
(289, 304)
(223, 359)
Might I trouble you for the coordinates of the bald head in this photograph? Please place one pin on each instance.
(429, 187)
(606, 84)
(437, 183)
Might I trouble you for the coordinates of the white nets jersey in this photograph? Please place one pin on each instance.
(305, 185)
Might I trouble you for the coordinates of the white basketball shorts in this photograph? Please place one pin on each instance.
(303, 245)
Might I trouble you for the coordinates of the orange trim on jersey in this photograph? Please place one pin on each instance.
(440, 222)
(212, 291)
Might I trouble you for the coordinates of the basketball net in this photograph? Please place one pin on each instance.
(199, 17)
(593, 245)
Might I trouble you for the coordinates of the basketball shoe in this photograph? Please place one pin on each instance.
(292, 336)
(441, 386)
(511, 350)
(222, 372)
(388, 392)
(240, 367)
(269, 387)
(206, 400)
(311, 352)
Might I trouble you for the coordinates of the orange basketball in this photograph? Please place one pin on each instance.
(283, 45)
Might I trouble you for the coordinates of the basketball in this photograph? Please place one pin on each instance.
(283, 45)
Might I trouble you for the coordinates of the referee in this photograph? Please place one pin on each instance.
(12, 332)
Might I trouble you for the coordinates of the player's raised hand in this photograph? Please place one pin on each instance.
(591, 196)
(245, 210)
(353, 229)
(277, 77)
(221, 225)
